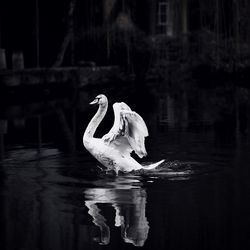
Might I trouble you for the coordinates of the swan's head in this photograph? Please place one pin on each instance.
(100, 100)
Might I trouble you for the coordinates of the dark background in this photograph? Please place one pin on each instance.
(183, 65)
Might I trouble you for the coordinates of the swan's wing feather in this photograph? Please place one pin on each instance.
(128, 132)
(136, 131)
(115, 137)
(136, 121)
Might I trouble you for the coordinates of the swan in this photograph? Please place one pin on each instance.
(126, 135)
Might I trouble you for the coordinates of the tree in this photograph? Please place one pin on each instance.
(68, 34)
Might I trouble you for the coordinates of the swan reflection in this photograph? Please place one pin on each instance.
(129, 204)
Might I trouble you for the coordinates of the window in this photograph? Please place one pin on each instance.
(164, 19)
(163, 12)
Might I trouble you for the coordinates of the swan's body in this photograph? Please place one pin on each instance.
(127, 134)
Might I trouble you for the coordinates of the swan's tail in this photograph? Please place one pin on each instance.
(154, 165)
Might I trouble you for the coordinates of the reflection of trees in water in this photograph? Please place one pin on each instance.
(214, 107)
(130, 208)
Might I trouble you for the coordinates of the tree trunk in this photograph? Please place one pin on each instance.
(68, 35)
(108, 6)
(37, 35)
(184, 17)
(236, 24)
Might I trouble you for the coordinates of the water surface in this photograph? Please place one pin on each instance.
(198, 199)
(55, 196)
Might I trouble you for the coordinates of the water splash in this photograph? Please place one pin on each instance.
(173, 170)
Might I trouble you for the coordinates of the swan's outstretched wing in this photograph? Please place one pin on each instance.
(128, 132)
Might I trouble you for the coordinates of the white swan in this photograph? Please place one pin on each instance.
(127, 134)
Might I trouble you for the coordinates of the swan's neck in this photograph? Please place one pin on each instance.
(95, 121)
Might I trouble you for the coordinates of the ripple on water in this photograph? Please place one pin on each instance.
(172, 170)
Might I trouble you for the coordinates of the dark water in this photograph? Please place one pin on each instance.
(52, 198)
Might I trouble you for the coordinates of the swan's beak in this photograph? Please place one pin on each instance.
(94, 102)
